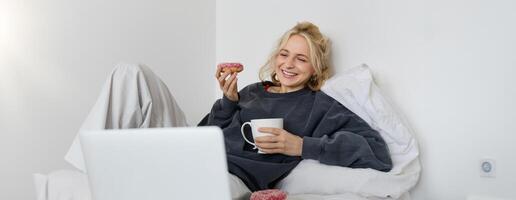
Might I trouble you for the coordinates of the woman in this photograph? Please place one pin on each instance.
(315, 125)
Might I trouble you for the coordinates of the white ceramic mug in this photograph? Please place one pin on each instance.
(258, 123)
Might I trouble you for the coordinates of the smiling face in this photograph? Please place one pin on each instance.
(293, 67)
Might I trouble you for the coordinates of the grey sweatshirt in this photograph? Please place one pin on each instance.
(331, 134)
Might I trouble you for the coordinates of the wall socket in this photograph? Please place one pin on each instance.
(487, 167)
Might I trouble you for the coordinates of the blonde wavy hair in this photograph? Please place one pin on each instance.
(319, 49)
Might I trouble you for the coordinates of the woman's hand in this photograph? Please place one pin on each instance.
(228, 85)
(281, 142)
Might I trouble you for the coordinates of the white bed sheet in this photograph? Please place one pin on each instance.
(73, 185)
(62, 185)
(345, 196)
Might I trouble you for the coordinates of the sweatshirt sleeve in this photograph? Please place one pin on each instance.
(343, 138)
(222, 112)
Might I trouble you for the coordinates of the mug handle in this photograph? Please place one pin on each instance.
(243, 135)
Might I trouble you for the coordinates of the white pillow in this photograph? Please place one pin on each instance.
(356, 90)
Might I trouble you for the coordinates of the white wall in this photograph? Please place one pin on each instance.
(446, 64)
(56, 54)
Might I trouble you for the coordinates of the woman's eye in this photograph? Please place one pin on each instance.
(302, 59)
(283, 55)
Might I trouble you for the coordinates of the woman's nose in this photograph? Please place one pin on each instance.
(289, 63)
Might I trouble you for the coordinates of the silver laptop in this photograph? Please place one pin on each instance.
(155, 164)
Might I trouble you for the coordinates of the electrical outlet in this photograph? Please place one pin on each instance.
(487, 168)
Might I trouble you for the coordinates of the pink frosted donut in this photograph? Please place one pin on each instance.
(233, 67)
(271, 194)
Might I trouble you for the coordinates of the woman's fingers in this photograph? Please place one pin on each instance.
(262, 139)
(271, 145)
(271, 130)
(222, 79)
(281, 141)
(271, 151)
(228, 83)
(233, 84)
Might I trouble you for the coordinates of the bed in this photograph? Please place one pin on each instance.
(354, 88)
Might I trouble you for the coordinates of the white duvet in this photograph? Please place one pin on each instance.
(354, 88)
